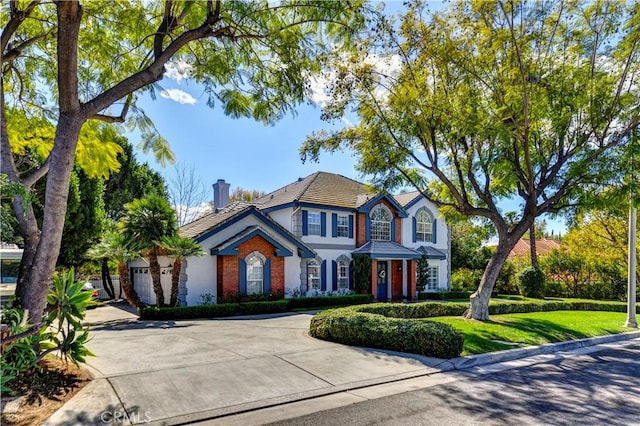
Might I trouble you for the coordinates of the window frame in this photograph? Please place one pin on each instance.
(312, 225)
(433, 277)
(316, 265)
(380, 230)
(342, 228)
(424, 235)
(251, 281)
(343, 274)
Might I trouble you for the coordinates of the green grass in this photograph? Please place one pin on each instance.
(533, 328)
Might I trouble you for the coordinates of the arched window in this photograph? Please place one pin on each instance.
(255, 274)
(424, 226)
(313, 274)
(380, 223)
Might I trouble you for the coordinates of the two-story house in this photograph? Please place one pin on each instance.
(301, 239)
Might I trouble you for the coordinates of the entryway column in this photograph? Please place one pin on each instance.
(374, 278)
(404, 278)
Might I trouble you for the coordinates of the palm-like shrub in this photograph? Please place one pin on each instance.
(178, 247)
(146, 221)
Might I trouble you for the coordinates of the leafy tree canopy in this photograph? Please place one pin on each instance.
(493, 100)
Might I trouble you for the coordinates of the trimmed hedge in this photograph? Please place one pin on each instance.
(351, 326)
(249, 308)
(447, 295)
(255, 308)
(319, 301)
(188, 312)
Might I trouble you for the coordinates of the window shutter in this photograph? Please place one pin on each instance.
(434, 229)
(334, 225)
(323, 275)
(267, 276)
(323, 224)
(367, 229)
(414, 229)
(243, 277)
(393, 229)
(334, 275)
(305, 222)
(351, 275)
(350, 226)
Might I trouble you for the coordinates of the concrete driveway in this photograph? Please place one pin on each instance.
(184, 371)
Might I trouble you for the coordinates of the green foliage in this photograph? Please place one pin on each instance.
(147, 221)
(531, 282)
(180, 247)
(25, 345)
(188, 312)
(67, 305)
(507, 282)
(268, 307)
(207, 299)
(449, 295)
(263, 304)
(361, 272)
(358, 328)
(423, 273)
(318, 302)
(465, 279)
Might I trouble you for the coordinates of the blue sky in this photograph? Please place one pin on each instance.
(245, 153)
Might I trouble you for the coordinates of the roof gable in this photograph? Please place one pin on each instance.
(367, 206)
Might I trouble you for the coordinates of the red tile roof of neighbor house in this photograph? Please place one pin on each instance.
(543, 246)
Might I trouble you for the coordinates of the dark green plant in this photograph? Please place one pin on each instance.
(67, 306)
(531, 282)
(318, 302)
(423, 273)
(353, 327)
(362, 272)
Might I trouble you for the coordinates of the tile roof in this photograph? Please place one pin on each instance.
(432, 252)
(204, 223)
(320, 188)
(407, 197)
(543, 246)
(387, 249)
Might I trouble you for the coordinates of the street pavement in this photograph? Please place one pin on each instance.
(597, 388)
(247, 370)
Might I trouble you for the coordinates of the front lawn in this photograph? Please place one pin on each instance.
(534, 328)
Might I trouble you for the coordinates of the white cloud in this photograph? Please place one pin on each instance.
(178, 96)
(178, 70)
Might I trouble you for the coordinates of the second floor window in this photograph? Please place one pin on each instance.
(314, 227)
(343, 226)
(424, 226)
(380, 224)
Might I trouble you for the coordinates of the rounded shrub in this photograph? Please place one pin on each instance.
(353, 327)
(531, 282)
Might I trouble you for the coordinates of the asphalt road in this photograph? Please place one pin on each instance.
(600, 388)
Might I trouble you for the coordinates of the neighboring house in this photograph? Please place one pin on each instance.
(543, 247)
(10, 256)
(301, 238)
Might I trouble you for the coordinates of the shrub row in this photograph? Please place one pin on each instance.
(351, 326)
(447, 295)
(318, 302)
(433, 309)
(248, 308)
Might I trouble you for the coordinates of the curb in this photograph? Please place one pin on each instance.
(460, 363)
(466, 362)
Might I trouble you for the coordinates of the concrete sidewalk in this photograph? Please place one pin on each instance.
(186, 371)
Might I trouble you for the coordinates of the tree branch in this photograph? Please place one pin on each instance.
(17, 17)
(112, 119)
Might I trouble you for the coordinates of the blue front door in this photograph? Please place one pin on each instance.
(382, 280)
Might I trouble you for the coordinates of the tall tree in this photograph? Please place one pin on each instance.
(146, 222)
(70, 63)
(488, 101)
(187, 193)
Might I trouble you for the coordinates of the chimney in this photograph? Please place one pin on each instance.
(220, 194)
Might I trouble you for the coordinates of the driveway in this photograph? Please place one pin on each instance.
(178, 372)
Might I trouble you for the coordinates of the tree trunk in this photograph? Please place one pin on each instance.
(154, 270)
(532, 246)
(175, 281)
(479, 309)
(106, 279)
(130, 293)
